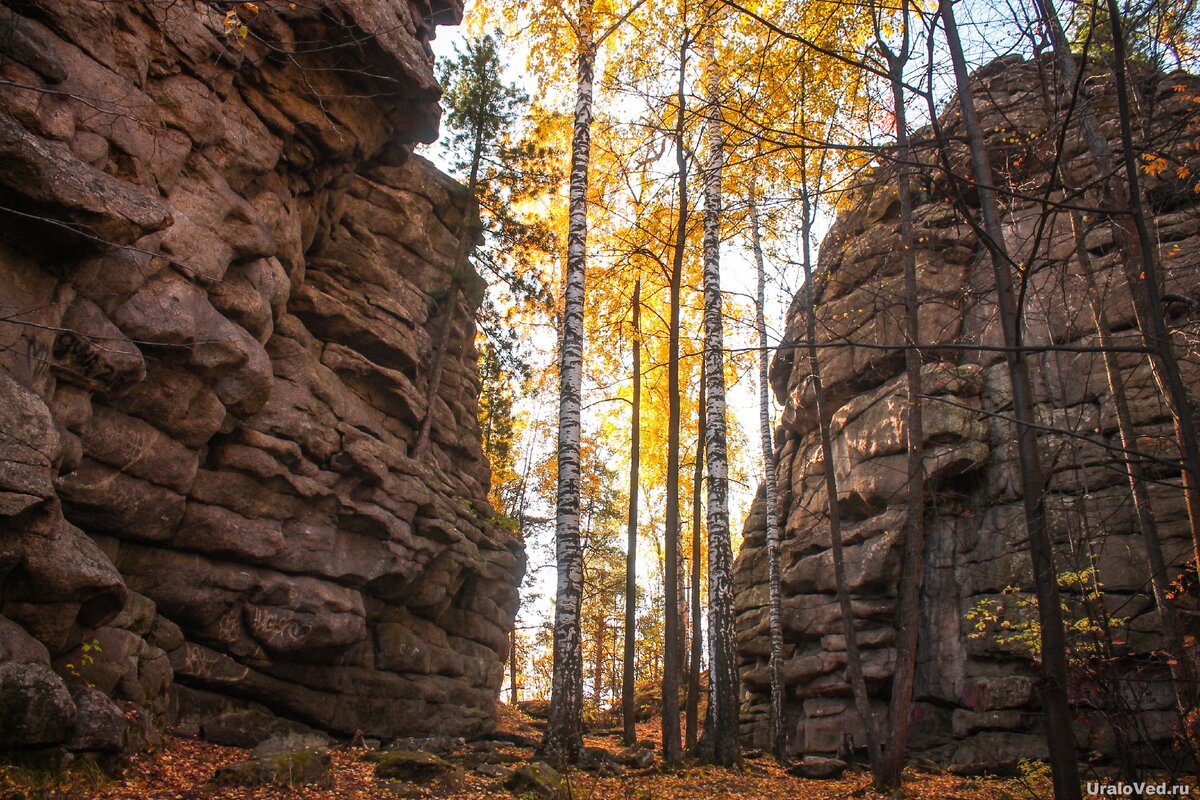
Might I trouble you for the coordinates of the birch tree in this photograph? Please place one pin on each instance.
(564, 731)
(692, 726)
(766, 432)
(563, 739)
(719, 743)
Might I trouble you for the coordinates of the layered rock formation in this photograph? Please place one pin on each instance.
(222, 277)
(976, 699)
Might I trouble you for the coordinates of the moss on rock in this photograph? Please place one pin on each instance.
(408, 765)
(280, 769)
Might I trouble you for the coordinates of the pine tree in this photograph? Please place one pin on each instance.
(481, 110)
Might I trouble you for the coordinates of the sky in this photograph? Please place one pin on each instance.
(739, 280)
(983, 39)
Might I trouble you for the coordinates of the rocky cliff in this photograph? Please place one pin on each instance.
(222, 277)
(976, 698)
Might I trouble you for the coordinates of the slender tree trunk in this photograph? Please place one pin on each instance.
(912, 573)
(448, 319)
(693, 687)
(719, 743)
(1060, 737)
(629, 671)
(614, 688)
(766, 434)
(458, 270)
(1107, 670)
(1143, 273)
(1179, 660)
(512, 666)
(682, 606)
(598, 662)
(858, 686)
(1150, 317)
(671, 743)
(519, 515)
(563, 739)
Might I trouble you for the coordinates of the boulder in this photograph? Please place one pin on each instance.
(494, 771)
(295, 768)
(638, 756)
(100, 724)
(599, 761)
(401, 790)
(439, 745)
(997, 753)
(18, 647)
(513, 738)
(538, 709)
(416, 766)
(538, 779)
(250, 728)
(818, 768)
(35, 705)
(291, 742)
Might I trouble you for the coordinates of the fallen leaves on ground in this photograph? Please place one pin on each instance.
(182, 770)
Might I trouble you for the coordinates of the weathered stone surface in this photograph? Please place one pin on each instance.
(416, 766)
(438, 745)
(987, 694)
(223, 331)
(539, 780)
(996, 752)
(296, 768)
(18, 647)
(291, 742)
(82, 195)
(99, 723)
(818, 768)
(36, 706)
(977, 699)
(244, 727)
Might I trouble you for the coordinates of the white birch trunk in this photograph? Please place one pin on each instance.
(767, 439)
(719, 743)
(563, 739)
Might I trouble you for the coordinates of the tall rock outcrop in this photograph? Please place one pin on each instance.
(222, 275)
(976, 698)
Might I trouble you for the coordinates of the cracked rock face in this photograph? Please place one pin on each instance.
(975, 703)
(221, 272)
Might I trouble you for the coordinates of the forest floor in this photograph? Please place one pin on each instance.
(184, 768)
